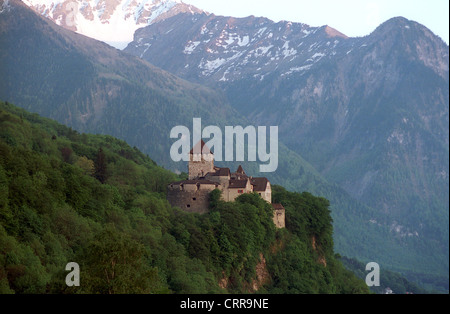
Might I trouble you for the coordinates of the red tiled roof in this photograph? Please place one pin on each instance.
(240, 170)
(259, 184)
(220, 172)
(198, 181)
(278, 206)
(238, 184)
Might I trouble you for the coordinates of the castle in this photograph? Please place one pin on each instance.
(192, 195)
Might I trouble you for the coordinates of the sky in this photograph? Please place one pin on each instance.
(354, 18)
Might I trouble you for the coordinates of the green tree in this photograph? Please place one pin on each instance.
(86, 165)
(114, 263)
(101, 166)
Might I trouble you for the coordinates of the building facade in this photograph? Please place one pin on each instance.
(192, 195)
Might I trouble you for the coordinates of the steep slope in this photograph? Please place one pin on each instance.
(370, 113)
(210, 48)
(110, 21)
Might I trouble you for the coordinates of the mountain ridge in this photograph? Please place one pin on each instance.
(111, 21)
(111, 82)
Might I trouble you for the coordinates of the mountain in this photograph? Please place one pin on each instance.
(206, 47)
(95, 88)
(91, 86)
(370, 113)
(127, 239)
(110, 21)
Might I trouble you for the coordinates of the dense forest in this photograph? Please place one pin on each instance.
(94, 200)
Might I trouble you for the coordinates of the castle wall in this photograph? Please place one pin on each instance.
(223, 181)
(202, 167)
(193, 195)
(190, 201)
(279, 218)
(232, 193)
(267, 194)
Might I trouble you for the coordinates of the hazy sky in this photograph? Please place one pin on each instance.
(351, 17)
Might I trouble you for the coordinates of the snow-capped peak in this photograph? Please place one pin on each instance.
(111, 21)
(4, 6)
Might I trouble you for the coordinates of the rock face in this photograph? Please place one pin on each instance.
(262, 275)
(226, 49)
(111, 21)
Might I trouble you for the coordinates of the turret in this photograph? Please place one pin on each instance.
(201, 161)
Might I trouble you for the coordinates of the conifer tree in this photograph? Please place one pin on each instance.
(100, 166)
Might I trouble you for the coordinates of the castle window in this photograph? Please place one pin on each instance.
(240, 191)
(194, 198)
(188, 205)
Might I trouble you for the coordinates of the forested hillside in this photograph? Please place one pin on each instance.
(95, 200)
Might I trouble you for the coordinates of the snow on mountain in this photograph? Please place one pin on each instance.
(111, 21)
(226, 49)
(4, 6)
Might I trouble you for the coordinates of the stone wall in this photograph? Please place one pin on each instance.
(279, 218)
(223, 181)
(190, 201)
(200, 165)
(230, 194)
(267, 194)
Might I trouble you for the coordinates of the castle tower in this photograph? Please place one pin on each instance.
(201, 161)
